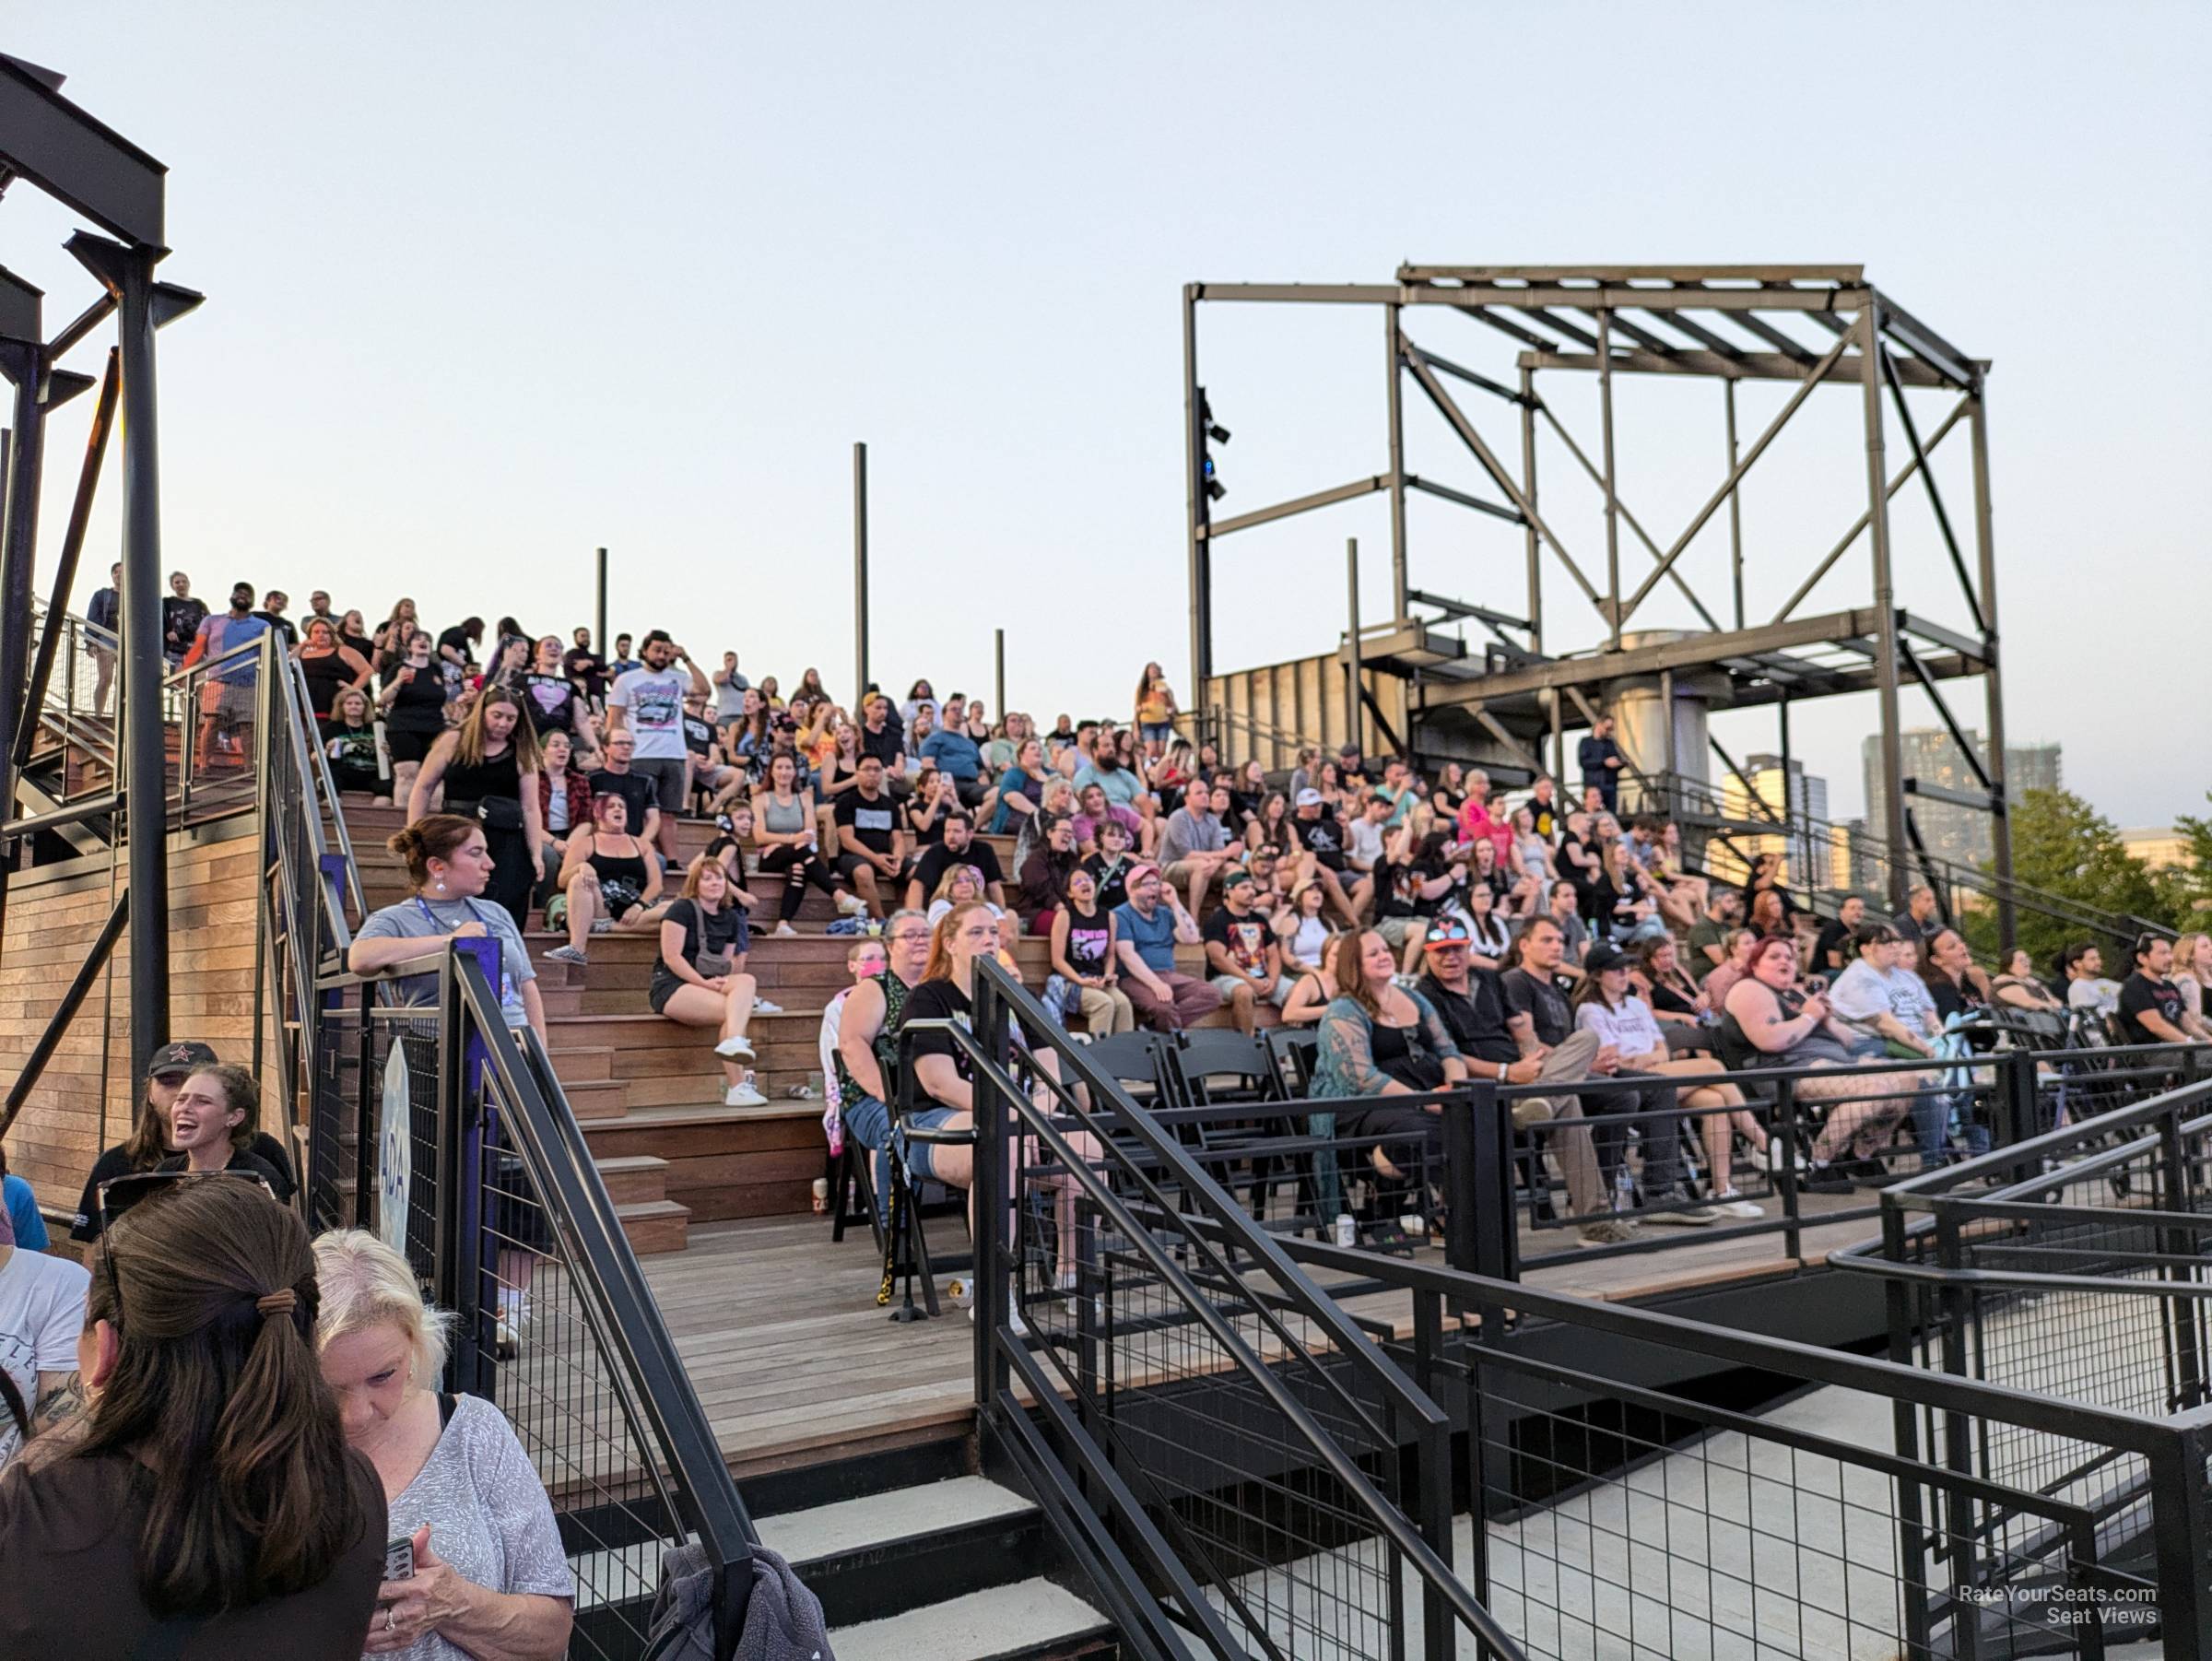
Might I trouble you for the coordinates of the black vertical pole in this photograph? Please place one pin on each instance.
(860, 575)
(146, 786)
(20, 361)
(599, 641)
(1351, 642)
(999, 658)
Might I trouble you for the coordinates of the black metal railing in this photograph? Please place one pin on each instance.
(2076, 1265)
(445, 1131)
(1608, 1516)
(1513, 1177)
(1239, 1467)
(438, 1127)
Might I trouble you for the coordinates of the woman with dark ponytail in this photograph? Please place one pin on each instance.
(206, 1503)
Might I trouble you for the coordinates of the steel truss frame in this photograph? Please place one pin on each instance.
(72, 156)
(1725, 323)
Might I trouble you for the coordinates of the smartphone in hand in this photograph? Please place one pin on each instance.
(399, 1558)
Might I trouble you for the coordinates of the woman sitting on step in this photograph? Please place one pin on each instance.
(790, 838)
(696, 981)
(609, 879)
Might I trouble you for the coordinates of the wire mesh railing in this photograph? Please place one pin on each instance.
(1241, 1468)
(436, 1127)
(1606, 1515)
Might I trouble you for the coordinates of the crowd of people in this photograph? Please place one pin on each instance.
(221, 1437)
(544, 782)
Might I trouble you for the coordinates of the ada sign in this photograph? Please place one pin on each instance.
(394, 1152)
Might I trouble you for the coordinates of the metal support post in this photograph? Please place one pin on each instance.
(599, 640)
(1559, 741)
(1605, 400)
(1735, 509)
(1351, 641)
(998, 658)
(1672, 762)
(1397, 470)
(146, 750)
(1885, 602)
(859, 574)
(1536, 543)
(22, 362)
(1201, 550)
(64, 574)
(1992, 681)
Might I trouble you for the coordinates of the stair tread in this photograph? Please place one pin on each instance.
(1004, 1621)
(845, 1526)
(704, 1112)
(650, 1207)
(629, 1162)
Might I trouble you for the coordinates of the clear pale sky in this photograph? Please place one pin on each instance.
(490, 285)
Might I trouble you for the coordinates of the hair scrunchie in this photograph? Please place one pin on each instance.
(281, 1301)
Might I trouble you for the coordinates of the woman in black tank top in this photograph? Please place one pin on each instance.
(609, 878)
(490, 770)
(328, 667)
(1768, 1022)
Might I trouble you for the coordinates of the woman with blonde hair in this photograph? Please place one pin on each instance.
(491, 1577)
(695, 981)
(2191, 971)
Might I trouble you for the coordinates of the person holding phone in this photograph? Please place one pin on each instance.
(473, 1563)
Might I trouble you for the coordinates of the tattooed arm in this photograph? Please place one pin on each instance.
(60, 1400)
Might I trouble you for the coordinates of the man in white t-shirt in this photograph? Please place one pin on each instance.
(42, 1310)
(649, 702)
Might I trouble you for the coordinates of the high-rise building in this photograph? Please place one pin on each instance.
(1932, 757)
(1807, 844)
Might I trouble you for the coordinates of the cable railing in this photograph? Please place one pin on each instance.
(1240, 1468)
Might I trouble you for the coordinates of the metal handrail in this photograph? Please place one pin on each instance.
(1000, 994)
(548, 1138)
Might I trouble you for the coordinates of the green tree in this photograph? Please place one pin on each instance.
(2065, 848)
(2189, 888)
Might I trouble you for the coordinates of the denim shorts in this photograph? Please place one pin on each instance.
(868, 1121)
(1156, 732)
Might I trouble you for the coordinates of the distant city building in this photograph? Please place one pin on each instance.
(1931, 756)
(2160, 847)
(1808, 845)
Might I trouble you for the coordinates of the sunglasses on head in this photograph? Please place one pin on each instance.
(119, 1196)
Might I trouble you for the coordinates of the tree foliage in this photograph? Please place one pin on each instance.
(2064, 847)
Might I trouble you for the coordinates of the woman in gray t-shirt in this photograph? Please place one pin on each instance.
(489, 1571)
(449, 865)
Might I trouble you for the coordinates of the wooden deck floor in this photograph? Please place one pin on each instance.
(795, 1362)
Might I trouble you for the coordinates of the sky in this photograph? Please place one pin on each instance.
(490, 286)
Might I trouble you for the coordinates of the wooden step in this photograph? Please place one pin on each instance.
(723, 1161)
(656, 1226)
(633, 1179)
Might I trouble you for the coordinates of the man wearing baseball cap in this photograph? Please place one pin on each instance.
(1471, 1001)
(1318, 834)
(1148, 927)
(147, 1144)
(1241, 949)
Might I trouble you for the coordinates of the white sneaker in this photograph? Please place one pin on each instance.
(743, 1095)
(1733, 1202)
(786, 931)
(729, 1049)
(765, 1007)
(851, 905)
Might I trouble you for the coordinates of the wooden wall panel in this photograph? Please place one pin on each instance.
(54, 914)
